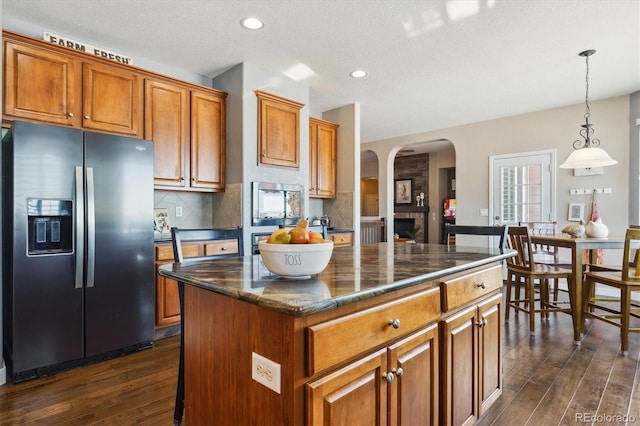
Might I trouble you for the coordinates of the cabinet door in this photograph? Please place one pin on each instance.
(207, 141)
(313, 158)
(326, 160)
(112, 100)
(460, 368)
(166, 123)
(413, 395)
(167, 301)
(489, 352)
(278, 131)
(41, 85)
(355, 394)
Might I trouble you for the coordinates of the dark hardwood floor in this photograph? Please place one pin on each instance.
(547, 381)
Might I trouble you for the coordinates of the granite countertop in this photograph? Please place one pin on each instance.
(354, 273)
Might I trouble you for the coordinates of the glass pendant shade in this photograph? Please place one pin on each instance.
(588, 157)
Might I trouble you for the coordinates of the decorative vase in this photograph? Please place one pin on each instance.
(596, 229)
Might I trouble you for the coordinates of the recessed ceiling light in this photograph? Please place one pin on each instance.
(252, 23)
(358, 74)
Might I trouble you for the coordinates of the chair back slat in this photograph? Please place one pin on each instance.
(630, 267)
(543, 252)
(486, 230)
(520, 240)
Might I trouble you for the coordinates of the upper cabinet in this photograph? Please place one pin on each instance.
(52, 84)
(322, 158)
(187, 126)
(112, 100)
(278, 131)
(48, 85)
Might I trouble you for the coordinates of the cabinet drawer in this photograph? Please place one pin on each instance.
(221, 247)
(165, 251)
(333, 342)
(464, 288)
(344, 239)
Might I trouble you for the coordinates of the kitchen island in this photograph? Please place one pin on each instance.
(387, 333)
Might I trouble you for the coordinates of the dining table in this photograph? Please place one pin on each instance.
(578, 245)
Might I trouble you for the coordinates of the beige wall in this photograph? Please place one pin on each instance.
(550, 129)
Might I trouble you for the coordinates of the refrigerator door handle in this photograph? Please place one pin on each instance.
(79, 227)
(91, 229)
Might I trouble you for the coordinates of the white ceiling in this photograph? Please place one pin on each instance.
(432, 64)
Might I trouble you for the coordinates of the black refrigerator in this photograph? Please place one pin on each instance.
(77, 249)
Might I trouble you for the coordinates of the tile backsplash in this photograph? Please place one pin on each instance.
(197, 208)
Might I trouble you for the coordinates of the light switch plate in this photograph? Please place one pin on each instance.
(265, 371)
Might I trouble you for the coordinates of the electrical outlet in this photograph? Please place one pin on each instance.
(178, 211)
(265, 372)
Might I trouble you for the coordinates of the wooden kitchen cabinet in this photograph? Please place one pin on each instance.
(397, 385)
(471, 357)
(41, 85)
(322, 156)
(167, 298)
(112, 100)
(341, 239)
(46, 83)
(187, 127)
(278, 131)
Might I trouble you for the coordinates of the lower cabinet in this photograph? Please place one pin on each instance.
(167, 298)
(428, 355)
(341, 239)
(471, 364)
(394, 385)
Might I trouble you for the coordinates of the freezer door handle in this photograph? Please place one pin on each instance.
(79, 226)
(91, 229)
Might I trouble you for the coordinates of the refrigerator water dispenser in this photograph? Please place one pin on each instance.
(50, 226)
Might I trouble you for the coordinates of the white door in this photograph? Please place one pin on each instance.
(522, 187)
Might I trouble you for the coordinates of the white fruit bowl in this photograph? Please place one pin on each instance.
(295, 260)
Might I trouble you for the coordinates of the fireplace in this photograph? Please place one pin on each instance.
(403, 226)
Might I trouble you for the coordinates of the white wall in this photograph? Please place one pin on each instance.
(550, 129)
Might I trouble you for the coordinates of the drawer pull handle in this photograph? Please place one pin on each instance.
(395, 323)
(399, 372)
(86, 117)
(482, 323)
(388, 377)
(70, 114)
(223, 248)
(482, 285)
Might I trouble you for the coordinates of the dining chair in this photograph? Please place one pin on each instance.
(522, 268)
(219, 243)
(617, 311)
(546, 253)
(486, 230)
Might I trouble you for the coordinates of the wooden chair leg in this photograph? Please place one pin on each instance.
(532, 307)
(625, 310)
(508, 296)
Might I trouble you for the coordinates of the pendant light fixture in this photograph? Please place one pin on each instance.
(587, 153)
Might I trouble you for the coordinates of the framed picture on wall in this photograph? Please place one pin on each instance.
(403, 191)
(576, 212)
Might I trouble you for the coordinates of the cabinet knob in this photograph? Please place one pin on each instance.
(481, 285)
(70, 114)
(388, 377)
(395, 323)
(399, 372)
(482, 323)
(86, 117)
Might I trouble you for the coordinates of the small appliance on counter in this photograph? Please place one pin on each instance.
(324, 221)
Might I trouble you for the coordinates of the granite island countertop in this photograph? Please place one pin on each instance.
(353, 274)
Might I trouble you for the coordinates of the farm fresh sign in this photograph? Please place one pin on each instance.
(85, 48)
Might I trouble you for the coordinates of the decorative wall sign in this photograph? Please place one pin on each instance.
(86, 48)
